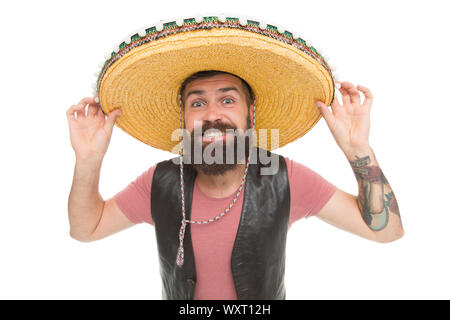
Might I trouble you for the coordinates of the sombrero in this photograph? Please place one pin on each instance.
(144, 72)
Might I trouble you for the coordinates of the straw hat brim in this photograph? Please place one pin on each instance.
(145, 80)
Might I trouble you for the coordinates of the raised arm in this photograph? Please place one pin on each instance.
(374, 213)
(91, 217)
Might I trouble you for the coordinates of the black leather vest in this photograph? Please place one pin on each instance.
(258, 257)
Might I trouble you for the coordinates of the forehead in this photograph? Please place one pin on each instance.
(214, 82)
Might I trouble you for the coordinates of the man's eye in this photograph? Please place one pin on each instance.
(228, 99)
(197, 104)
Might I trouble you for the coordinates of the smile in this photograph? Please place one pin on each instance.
(216, 136)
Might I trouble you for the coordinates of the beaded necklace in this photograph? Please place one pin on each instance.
(184, 221)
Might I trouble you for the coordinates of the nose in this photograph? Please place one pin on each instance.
(213, 113)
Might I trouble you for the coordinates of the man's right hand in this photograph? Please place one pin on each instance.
(90, 134)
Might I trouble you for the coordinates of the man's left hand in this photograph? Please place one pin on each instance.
(349, 123)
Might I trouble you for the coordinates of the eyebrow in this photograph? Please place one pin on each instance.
(200, 92)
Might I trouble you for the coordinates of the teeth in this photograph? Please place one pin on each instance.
(214, 135)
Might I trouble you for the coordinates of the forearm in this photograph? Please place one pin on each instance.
(376, 200)
(85, 204)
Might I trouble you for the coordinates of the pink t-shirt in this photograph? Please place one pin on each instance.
(213, 243)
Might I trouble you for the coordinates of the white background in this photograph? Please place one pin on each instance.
(49, 53)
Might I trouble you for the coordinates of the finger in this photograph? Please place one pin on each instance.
(75, 109)
(112, 116)
(92, 109)
(353, 93)
(344, 96)
(367, 94)
(82, 111)
(70, 113)
(100, 112)
(335, 104)
(326, 113)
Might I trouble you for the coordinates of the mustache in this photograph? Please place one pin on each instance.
(208, 125)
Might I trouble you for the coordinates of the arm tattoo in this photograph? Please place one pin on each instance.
(376, 198)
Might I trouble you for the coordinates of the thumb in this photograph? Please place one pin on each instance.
(112, 116)
(326, 113)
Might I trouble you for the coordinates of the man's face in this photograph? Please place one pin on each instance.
(218, 102)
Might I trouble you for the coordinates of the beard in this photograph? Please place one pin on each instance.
(218, 157)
